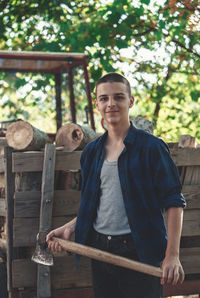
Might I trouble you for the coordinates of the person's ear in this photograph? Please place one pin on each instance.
(96, 104)
(131, 101)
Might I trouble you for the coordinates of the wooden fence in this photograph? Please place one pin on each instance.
(21, 173)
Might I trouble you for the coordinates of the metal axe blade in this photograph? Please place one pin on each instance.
(42, 254)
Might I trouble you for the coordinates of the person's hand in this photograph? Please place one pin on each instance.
(172, 271)
(63, 232)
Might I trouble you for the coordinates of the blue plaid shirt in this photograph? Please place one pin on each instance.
(150, 183)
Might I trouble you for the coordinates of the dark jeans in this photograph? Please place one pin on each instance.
(110, 281)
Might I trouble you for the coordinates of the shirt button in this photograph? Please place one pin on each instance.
(109, 237)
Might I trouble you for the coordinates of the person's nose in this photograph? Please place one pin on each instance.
(111, 102)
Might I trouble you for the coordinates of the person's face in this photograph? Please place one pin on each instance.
(113, 102)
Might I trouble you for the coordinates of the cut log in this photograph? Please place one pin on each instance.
(186, 141)
(139, 122)
(143, 123)
(72, 137)
(23, 136)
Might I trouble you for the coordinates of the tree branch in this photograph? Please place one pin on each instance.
(184, 47)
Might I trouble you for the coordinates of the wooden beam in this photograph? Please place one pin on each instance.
(189, 287)
(33, 161)
(58, 87)
(2, 207)
(27, 204)
(66, 293)
(64, 273)
(46, 207)
(71, 94)
(26, 229)
(191, 223)
(2, 164)
(186, 156)
(3, 244)
(88, 93)
(10, 188)
(192, 196)
(190, 260)
(40, 55)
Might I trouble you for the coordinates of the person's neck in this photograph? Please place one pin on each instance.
(117, 133)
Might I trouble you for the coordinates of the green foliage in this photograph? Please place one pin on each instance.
(103, 29)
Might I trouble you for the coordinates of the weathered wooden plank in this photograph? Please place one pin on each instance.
(33, 161)
(191, 223)
(189, 287)
(186, 156)
(190, 241)
(190, 260)
(2, 180)
(47, 192)
(2, 207)
(191, 175)
(3, 244)
(2, 164)
(26, 229)
(192, 196)
(65, 202)
(63, 293)
(10, 187)
(46, 207)
(64, 273)
(3, 144)
(34, 65)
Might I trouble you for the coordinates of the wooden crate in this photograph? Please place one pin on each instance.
(64, 275)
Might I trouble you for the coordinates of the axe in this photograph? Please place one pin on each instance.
(43, 256)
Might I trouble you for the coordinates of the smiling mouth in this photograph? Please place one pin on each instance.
(112, 112)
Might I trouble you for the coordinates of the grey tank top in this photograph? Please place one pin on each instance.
(111, 214)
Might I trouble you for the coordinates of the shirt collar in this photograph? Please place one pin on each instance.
(129, 139)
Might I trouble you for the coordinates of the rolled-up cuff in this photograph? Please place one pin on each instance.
(174, 200)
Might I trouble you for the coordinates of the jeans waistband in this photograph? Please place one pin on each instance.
(111, 237)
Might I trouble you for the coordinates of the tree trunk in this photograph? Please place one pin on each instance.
(72, 136)
(23, 136)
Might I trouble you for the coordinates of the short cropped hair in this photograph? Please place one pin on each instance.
(113, 77)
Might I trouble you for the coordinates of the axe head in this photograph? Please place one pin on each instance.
(42, 254)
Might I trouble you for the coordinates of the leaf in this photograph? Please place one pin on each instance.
(162, 24)
(147, 2)
(195, 95)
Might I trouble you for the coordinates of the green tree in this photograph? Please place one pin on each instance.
(103, 29)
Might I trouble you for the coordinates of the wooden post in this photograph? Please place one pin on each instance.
(58, 82)
(88, 93)
(71, 91)
(9, 190)
(47, 194)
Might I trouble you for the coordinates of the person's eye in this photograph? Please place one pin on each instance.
(103, 98)
(118, 97)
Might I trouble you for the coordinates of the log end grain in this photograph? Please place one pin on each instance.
(22, 135)
(69, 136)
(19, 135)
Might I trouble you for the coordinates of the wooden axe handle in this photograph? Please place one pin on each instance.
(100, 255)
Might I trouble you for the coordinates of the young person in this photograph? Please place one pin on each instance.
(128, 180)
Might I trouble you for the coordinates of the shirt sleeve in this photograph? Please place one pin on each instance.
(166, 177)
